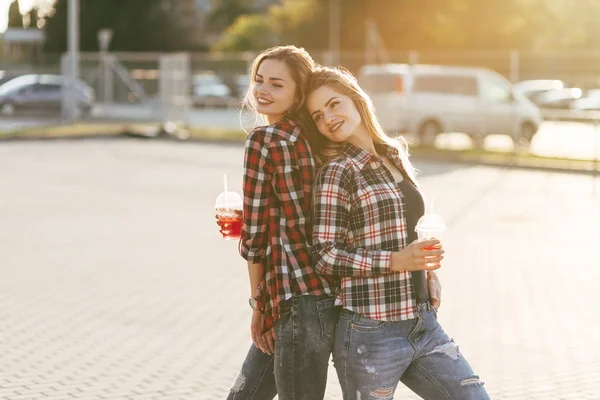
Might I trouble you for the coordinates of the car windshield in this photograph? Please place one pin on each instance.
(16, 84)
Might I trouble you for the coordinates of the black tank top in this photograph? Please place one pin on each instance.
(414, 209)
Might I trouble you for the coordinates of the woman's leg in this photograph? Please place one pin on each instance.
(303, 344)
(256, 380)
(439, 370)
(370, 356)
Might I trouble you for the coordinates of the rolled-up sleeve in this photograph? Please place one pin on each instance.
(257, 192)
(332, 218)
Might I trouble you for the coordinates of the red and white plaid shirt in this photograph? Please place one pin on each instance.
(358, 222)
(278, 180)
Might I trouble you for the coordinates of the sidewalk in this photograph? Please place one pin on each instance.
(116, 285)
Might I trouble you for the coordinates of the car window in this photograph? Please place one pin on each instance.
(446, 84)
(380, 83)
(16, 84)
(495, 91)
(47, 88)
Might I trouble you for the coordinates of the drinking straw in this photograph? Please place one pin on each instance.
(225, 188)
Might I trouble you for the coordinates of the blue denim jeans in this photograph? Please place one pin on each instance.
(303, 343)
(371, 357)
(256, 380)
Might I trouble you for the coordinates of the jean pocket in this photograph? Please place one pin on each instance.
(286, 309)
(365, 324)
(327, 317)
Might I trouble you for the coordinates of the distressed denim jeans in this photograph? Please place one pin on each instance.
(303, 346)
(256, 380)
(371, 357)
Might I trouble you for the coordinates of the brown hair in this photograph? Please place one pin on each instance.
(343, 82)
(300, 64)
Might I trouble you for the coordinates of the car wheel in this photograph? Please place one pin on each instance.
(478, 141)
(527, 132)
(7, 109)
(428, 132)
(86, 110)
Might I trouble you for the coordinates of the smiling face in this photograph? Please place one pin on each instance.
(273, 89)
(335, 115)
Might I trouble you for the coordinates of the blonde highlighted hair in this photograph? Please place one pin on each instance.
(343, 82)
(300, 65)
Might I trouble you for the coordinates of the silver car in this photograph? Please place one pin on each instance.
(41, 93)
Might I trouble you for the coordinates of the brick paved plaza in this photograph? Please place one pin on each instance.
(114, 282)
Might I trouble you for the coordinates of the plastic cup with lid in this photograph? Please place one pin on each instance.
(229, 207)
(430, 226)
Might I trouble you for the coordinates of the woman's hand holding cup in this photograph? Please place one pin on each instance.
(420, 255)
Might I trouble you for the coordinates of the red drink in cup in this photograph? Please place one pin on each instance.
(430, 226)
(229, 208)
(230, 222)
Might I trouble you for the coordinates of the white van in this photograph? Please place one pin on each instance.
(431, 99)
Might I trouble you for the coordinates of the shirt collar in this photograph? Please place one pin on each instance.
(358, 156)
(295, 130)
(361, 157)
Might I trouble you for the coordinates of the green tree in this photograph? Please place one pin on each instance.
(138, 25)
(34, 17)
(224, 13)
(290, 22)
(15, 18)
(249, 32)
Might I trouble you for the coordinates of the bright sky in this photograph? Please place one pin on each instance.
(25, 7)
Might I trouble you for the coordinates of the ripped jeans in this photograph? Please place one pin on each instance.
(371, 357)
(256, 380)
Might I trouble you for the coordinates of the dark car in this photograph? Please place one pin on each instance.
(41, 93)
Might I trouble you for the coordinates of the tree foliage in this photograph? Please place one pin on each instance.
(138, 25)
(225, 12)
(152, 25)
(249, 32)
(435, 24)
(292, 21)
(33, 16)
(15, 19)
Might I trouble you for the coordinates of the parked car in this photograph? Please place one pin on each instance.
(242, 83)
(561, 99)
(4, 77)
(41, 93)
(532, 89)
(431, 99)
(209, 91)
(590, 102)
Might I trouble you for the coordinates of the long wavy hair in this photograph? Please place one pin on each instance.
(300, 65)
(343, 82)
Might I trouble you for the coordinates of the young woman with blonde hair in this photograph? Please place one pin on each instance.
(293, 317)
(366, 205)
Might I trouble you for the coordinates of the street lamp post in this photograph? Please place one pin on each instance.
(70, 109)
(104, 38)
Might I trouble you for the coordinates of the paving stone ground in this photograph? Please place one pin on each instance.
(114, 283)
